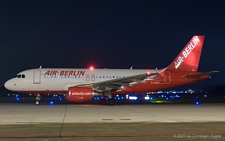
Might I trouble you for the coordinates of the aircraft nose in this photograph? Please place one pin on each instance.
(8, 85)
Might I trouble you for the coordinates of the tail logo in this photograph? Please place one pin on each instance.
(186, 51)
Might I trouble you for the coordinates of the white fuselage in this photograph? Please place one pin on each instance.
(57, 80)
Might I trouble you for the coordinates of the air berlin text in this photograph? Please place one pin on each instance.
(65, 73)
(187, 50)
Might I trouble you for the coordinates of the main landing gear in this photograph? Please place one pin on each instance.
(38, 99)
(110, 101)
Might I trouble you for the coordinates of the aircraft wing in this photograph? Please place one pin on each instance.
(117, 83)
(200, 74)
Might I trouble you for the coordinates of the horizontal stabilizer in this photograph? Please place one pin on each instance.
(200, 74)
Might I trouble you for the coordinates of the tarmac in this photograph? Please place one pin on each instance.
(93, 122)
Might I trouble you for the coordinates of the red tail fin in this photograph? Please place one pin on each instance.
(189, 57)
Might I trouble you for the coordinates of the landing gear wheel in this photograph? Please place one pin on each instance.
(37, 102)
(103, 101)
(111, 102)
(38, 99)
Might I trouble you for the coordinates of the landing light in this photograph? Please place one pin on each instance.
(146, 98)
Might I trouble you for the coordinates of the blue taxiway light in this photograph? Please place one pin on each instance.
(51, 102)
(197, 103)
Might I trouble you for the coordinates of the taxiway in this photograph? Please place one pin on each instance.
(119, 122)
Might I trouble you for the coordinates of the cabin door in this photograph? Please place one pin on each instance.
(37, 77)
(167, 77)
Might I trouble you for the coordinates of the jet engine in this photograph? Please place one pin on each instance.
(79, 94)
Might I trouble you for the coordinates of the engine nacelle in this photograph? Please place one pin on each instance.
(79, 94)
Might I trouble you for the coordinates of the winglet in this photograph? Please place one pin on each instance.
(188, 59)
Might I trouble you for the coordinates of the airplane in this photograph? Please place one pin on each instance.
(81, 85)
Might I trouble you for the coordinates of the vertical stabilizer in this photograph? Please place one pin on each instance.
(188, 59)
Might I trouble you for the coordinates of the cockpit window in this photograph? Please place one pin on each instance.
(20, 76)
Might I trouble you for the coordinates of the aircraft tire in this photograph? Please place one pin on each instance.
(103, 102)
(111, 102)
(37, 102)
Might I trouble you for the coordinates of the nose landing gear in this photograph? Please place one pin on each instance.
(38, 99)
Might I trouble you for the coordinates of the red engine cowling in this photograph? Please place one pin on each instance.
(79, 94)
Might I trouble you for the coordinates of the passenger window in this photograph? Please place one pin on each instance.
(23, 76)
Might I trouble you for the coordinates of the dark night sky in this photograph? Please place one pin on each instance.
(109, 34)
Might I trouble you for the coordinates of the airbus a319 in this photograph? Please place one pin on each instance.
(80, 85)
